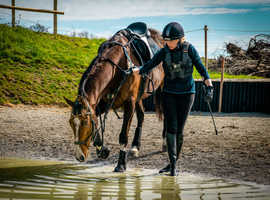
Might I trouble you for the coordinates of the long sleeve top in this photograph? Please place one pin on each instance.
(177, 85)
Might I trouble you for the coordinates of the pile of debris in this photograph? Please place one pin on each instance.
(255, 61)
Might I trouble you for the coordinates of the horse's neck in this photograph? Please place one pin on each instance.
(99, 88)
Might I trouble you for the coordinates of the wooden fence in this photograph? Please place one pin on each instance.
(54, 12)
(238, 96)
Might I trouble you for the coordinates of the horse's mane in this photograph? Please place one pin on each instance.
(85, 77)
(155, 34)
(89, 71)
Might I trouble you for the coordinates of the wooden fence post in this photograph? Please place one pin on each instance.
(55, 18)
(54, 12)
(13, 13)
(205, 46)
(222, 61)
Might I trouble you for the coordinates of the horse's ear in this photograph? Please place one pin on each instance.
(69, 102)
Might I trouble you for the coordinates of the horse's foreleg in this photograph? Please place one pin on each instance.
(129, 108)
(101, 150)
(136, 143)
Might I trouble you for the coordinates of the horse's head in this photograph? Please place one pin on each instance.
(83, 123)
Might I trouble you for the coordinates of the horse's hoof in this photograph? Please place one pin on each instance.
(121, 165)
(119, 168)
(103, 153)
(134, 151)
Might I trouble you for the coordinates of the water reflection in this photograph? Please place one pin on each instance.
(167, 187)
(82, 182)
(82, 192)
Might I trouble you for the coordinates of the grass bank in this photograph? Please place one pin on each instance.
(38, 68)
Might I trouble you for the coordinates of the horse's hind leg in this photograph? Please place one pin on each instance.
(129, 108)
(136, 143)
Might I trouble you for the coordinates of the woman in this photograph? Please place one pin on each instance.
(178, 57)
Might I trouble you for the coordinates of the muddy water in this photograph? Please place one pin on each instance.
(54, 180)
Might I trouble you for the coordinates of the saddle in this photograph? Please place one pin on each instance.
(145, 47)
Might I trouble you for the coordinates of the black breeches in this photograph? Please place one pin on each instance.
(176, 110)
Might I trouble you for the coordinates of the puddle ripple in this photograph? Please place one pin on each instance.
(73, 181)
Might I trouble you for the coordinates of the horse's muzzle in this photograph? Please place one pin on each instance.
(103, 153)
(81, 158)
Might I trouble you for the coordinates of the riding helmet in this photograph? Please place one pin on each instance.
(173, 31)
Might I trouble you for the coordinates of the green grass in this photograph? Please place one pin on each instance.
(38, 68)
(217, 75)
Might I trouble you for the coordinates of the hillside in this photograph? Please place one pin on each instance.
(37, 68)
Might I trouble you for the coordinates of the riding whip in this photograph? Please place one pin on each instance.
(210, 110)
(209, 106)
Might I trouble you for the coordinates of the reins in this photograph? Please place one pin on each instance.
(125, 73)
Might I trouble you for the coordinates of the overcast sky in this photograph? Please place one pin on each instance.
(105, 17)
(115, 9)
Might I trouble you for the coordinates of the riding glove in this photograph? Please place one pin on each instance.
(208, 95)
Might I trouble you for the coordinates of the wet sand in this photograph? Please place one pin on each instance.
(240, 151)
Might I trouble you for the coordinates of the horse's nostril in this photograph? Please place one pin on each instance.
(82, 158)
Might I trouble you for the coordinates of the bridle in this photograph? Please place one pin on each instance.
(88, 113)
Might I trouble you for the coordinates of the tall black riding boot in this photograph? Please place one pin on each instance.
(122, 161)
(165, 169)
(171, 142)
(171, 145)
(179, 142)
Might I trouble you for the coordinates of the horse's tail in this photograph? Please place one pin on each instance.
(158, 103)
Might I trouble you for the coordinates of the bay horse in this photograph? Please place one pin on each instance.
(105, 77)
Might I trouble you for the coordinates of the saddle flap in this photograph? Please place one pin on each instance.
(141, 50)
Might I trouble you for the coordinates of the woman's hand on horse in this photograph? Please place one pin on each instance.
(136, 69)
(133, 69)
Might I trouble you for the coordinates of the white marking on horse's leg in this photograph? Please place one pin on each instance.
(123, 148)
(134, 151)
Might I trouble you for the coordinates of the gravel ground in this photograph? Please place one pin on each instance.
(240, 151)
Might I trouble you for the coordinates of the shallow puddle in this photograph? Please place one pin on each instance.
(55, 180)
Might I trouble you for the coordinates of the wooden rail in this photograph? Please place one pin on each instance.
(222, 61)
(54, 11)
(205, 46)
(32, 9)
